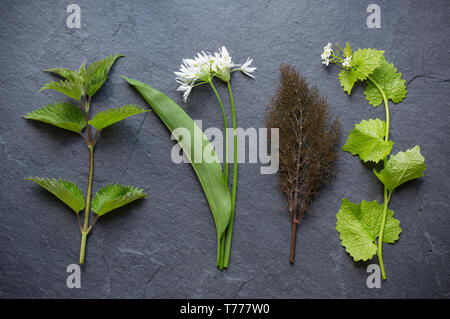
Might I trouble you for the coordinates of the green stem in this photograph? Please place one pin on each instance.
(221, 240)
(86, 229)
(234, 185)
(225, 126)
(387, 195)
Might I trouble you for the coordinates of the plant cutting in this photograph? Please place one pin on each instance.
(81, 85)
(208, 170)
(308, 135)
(200, 70)
(361, 224)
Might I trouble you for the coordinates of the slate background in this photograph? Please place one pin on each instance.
(164, 246)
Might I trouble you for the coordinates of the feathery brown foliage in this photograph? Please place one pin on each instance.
(308, 135)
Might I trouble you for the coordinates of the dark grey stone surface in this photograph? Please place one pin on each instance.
(164, 246)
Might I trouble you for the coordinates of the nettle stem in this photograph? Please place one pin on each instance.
(90, 145)
(387, 195)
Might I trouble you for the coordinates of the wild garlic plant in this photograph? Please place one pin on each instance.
(81, 85)
(202, 69)
(361, 224)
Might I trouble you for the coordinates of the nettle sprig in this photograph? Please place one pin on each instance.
(361, 224)
(81, 85)
(202, 70)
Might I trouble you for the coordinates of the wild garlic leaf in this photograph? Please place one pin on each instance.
(402, 167)
(71, 89)
(359, 226)
(97, 72)
(114, 196)
(367, 141)
(363, 63)
(389, 80)
(111, 116)
(63, 115)
(66, 191)
(209, 171)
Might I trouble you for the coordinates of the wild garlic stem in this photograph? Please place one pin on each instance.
(225, 127)
(221, 241)
(386, 196)
(229, 233)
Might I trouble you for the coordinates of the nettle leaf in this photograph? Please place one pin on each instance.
(70, 75)
(111, 116)
(359, 226)
(71, 89)
(367, 141)
(66, 191)
(364, 62)
(402, 167)
(63, 115)
(389, 80)
(114, 196)
(97, 72)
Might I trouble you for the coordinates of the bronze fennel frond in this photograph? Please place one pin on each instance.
(308, 135)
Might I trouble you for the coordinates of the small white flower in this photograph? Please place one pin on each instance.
(347, 62)
(222, 64)
(325, 56)
(328, 48)
(246, 69)
(185, 88)
(325, 60)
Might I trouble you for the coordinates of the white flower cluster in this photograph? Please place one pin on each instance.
(327, 51)
(205, 66)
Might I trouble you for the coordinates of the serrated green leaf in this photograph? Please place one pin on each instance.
(209, 172)
(97, 72)
(389, 80)
(63, 115)
(363, 63)
(70, 75)
(359, 226)
(402, 167)
(367, 141)
(66, 191)
(71, 89)
(348, 78)
(347, 50)
(111, 116)
(114, 196)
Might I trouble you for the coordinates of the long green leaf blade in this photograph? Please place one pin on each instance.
(66, 191)
(111, 116)
(63, 115)
(209, 172)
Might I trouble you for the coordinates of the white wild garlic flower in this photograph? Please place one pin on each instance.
(205, 66)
